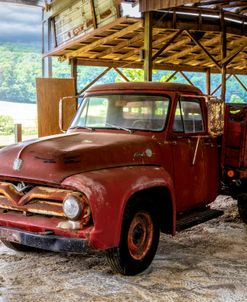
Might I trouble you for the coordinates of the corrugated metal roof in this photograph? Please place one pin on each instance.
(25, 2)
(239, 7)
(148, 5)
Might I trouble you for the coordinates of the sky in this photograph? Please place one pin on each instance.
(20, 23)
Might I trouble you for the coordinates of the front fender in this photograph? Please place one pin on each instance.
(108, 192)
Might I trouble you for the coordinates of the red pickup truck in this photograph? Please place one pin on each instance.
(137, 160)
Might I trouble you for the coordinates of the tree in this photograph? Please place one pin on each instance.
(6, 125)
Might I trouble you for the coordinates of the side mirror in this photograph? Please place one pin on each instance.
(216, 110)
(67, 110)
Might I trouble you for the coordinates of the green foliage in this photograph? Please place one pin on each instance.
(134, 75)
(20, 65)
(6, 125)
(236, 99)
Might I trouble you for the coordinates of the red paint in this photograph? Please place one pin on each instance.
(110, 166)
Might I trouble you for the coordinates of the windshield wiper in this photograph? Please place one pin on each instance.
(119, 127)
(83, 127)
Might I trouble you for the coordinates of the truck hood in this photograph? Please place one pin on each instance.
(52, 159)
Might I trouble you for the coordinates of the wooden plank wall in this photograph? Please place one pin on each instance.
(49, 92)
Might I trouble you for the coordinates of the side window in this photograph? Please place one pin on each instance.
(188, 116)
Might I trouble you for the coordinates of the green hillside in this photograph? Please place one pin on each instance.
(20, 64)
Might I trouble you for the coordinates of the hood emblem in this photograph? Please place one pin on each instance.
(17, 164)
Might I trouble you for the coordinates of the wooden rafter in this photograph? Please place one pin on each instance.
(234, 53)
(120, 43)
(186, 78)
(197, 42)
(189, 49)
(220, 85)
(171, 76)
(240, 82)
(167, 44)
(95, 80)
(119, 46)
(121, 74)
(104, 40)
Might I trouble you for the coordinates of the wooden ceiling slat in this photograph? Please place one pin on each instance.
(119, 45)
(104, 40)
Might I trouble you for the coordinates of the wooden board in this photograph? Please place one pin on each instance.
(83, 16)
(49, 93)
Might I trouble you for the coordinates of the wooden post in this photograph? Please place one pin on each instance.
(95, 24)
(18, 133)
(49, 59)
(148, 68)
(74, 71)
(223, 56)
(208, 81)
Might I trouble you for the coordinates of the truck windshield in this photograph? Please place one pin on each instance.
(127, 112)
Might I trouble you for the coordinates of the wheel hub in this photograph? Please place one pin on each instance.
(140, 235)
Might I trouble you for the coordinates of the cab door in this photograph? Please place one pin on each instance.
(188, 132)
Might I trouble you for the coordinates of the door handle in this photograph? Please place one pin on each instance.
(210, 144)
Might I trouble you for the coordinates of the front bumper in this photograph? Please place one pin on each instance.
(44, 240)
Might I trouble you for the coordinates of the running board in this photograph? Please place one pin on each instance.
(196, 217)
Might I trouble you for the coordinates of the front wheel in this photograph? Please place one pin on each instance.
(139, 240)
(242, 206)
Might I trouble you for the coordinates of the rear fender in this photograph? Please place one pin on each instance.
(108, 192)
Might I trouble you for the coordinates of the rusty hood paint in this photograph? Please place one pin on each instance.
(55, 158)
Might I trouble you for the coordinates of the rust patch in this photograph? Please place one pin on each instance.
(44, 193)
(105, 14)
(10, 192)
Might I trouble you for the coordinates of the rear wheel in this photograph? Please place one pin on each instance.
(139, 240)
(242, 206)
(18, 247)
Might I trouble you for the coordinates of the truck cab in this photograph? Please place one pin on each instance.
(137, 160)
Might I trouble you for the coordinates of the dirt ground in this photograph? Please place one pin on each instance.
(205, 263)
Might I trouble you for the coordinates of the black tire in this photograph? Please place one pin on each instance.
(18, 247)
(139, 240)
(242, 206)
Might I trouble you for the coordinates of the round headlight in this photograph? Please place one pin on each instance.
(72, 207)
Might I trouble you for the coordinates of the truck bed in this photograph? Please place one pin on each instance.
(234, 155)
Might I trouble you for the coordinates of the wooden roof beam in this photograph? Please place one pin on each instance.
(156, 43)
(233, 54)
(230, 57)
(114, 49)
(168, 43)
(220, 85)
(104, 40)
(171, 76)
(121, 74)
(186, 78)
(204, 49)
(190, 49)
(240, 82)
(95, 80)
(165, 66)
